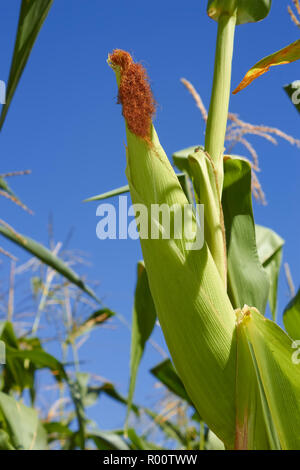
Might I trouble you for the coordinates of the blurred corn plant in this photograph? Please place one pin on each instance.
(237, 368)
(31, 18)
(44, 401)
(55, 307)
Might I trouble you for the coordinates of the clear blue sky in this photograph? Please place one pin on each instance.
(64, 124)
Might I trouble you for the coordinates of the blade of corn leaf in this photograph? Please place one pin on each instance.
(166, 374)
(32, 16)
(109, 390)
(6, 191)
(25, 430)
(139, 443)
(108, 194)
(17, 375)
(40, 358)
(291, 317)
(190, 299)
(286, 55)
(47, 257)
(78, 389)
(247, 280)
(293, 91)
(108, 440)
(97, 318)
(57, 430)
(248, 11)
(180, 158)
(143, 322)
(278, 375)
(269, 246)
(169, 428)
(186, 187)
(116, 192)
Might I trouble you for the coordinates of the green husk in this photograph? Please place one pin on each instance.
(193, 308)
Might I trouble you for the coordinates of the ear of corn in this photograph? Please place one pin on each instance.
(190, 298)
(241, 378)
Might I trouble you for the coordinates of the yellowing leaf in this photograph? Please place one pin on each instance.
(286, 55)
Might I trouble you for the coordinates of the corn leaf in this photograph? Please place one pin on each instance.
(6, 191)
(121, 190)
(97, 318)
(277, 377)
(47, 257)
(291, 317)
(180, 158)
(108, 389)
(108, 194)
(17, 376)
(286, 55)
(269, 246)
(293, 91)
(78, 389)
(143, 322)
(40, 358)
(23, 426)
(108, 440)
(248, 11)
(32, 16)
(170, 429)
(167, 375)
(139, 443)
(24, 356)
(247, 280)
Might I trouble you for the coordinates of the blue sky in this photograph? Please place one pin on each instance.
(65, 126)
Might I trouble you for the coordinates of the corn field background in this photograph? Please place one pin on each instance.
(87, 365)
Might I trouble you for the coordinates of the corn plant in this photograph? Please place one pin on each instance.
(236, 365)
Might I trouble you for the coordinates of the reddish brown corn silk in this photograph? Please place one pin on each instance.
(135, 94)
